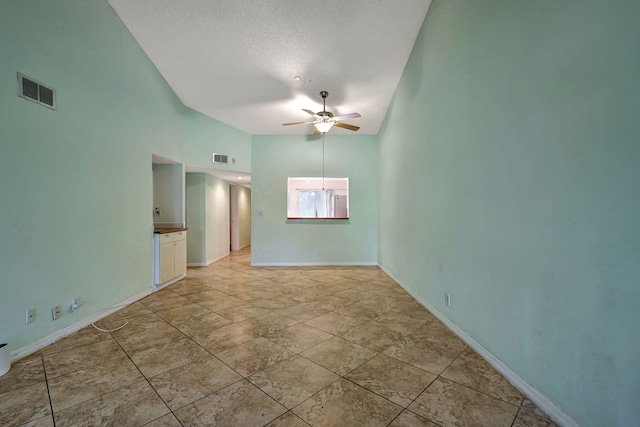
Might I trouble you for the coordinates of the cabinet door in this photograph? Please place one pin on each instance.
(180, 257)
(167, 262)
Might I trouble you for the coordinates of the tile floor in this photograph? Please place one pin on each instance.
(234, 345)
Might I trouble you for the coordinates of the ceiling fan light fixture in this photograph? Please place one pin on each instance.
(325, 120)
(323, 126)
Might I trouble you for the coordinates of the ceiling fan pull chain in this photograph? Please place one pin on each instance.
(323, 161)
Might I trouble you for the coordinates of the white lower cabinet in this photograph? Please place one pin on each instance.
(180, 256)
(170, 260)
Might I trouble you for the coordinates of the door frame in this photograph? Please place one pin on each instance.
(234, 221)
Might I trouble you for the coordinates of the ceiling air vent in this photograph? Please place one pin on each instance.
(35, 91)
(220, 158)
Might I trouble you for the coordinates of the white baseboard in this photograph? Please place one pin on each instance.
(550, 409)
(75, 327)
(211, 261)
(244, 246)
(208, 263)
(169, 282)
(312, 264)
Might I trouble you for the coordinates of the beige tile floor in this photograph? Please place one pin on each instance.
(234, 345)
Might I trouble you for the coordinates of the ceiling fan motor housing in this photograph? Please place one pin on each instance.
(325, 120)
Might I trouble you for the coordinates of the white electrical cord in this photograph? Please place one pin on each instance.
(109, 330)
(112, 330)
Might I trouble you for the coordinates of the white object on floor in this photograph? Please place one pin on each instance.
(5, 359)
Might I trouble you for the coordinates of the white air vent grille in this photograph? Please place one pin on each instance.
(220, 158)
(35, 91)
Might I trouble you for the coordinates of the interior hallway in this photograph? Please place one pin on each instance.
(235, 345)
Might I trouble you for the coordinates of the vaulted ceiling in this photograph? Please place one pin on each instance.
(237, 60)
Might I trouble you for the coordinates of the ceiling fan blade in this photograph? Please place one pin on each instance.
(347, 116)
(309, 112)
(346, 126)
(316, 132)
(296, 123)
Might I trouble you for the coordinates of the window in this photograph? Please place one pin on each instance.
(311, 204)
(317, 197)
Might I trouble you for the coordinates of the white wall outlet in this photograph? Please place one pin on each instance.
(31, 315)
(447, 299)
(75, 303)
(56, 312)
(319, 252)
(156, 211)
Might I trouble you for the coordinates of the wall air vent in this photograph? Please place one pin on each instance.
(220, 158)
(35, 91)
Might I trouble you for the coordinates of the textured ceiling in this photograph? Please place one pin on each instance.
(235, 60)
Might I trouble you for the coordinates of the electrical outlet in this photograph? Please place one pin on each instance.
(75, 303)
(447, 299)
(31, 315)
(319, 252)
(156, 211)
(56, 312)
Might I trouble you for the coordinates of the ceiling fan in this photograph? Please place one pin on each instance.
(324, 120)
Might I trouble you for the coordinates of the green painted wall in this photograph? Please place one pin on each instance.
(512, 143)
(196, 208)
(206, 136)
(273, 239)
(76, 183)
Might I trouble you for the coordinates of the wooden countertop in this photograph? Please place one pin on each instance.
(168, 230)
